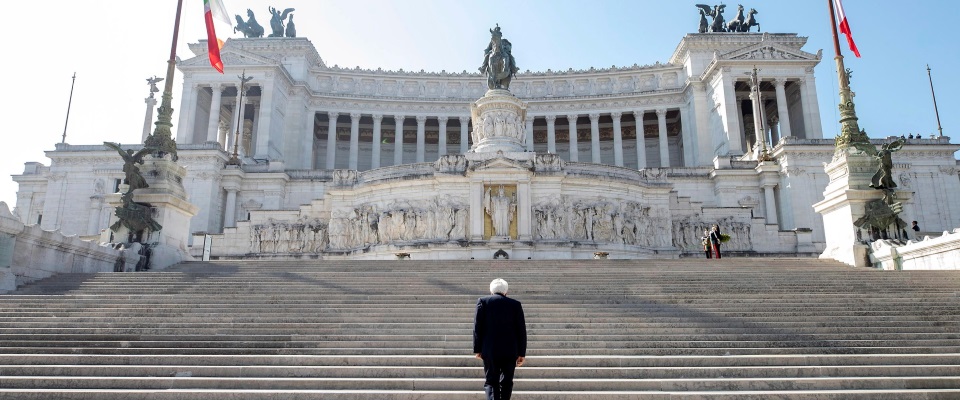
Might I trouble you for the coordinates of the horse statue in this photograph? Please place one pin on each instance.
(735, 24)
(276, 21)
(716, 12)
(250, 28)
(498, 62)
(750, 22)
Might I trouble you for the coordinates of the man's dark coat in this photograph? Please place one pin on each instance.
(499, 330)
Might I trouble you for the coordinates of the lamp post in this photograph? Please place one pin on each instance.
(235, 159)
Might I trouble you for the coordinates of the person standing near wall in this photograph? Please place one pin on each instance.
(715, 237)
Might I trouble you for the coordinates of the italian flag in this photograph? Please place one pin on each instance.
(213, 10)
(845, 28)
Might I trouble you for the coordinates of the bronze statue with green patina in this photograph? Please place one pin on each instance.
(134, 216)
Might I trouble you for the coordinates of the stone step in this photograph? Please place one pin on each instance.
(797, 349)
(528, 372)
(464, 360)
(466, 384)
(191, 394)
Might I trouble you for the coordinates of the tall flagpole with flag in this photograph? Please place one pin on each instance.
(162, 138)
(850, 133)
(214, 11)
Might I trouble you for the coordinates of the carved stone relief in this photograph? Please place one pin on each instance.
(603, 221)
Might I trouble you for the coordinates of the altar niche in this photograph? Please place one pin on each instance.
(500, 212)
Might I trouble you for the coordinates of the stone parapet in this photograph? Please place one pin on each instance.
(29, 253)
(929, 253)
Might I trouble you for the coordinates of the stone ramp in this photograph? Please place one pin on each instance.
(598, 329)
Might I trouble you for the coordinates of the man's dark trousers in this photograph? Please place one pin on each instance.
(498, 374)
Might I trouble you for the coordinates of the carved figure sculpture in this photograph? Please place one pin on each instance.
(883, 178)
(501, 210)
(498, 63)
(716, 12)
(276, 21)
(250, 28)
(291, 28)
(131, 171)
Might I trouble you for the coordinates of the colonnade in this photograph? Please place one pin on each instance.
(330, 139)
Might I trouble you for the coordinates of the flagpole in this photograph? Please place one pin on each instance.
(70, 103)
(937, 112)
(850, 133)
(162, 139)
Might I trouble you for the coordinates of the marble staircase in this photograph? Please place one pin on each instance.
(598, 329)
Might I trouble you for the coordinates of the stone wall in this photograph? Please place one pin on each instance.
(29, 253)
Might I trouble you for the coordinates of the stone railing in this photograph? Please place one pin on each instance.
(28, 253)
(929, 253)
(405, 171)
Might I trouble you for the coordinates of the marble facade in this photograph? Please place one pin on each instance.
(632, 161)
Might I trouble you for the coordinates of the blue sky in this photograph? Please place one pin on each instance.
(113, 46)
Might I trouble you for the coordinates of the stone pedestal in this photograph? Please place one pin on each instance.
(844, 201)
(168, 200)
(498, 123)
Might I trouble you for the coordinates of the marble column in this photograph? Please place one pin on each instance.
(641, 140)
(306, 145)
(595, 138)
(688, 140)
(782, 109)
(187, 111)
(551, 134)
(617, 139)
(398, 139)
(214, 121)
(740, 120)
(264, 126)
(421, 137)
(464, 135)
(442, 139)
(664, 145)
(572, 124)
(770, 204)
(733, 127)
(354, 140)
(811, 107)
(332, 140)
(230, 209)
(148, 120)
(93, 222)
(529, 128)
(375, 150)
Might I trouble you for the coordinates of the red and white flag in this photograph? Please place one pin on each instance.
(214, 11)
(845, 28)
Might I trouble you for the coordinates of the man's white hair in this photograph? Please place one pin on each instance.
(498, 286)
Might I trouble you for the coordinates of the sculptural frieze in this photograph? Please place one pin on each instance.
(300, 236)
(440, 219)
(451, 164)
(499, 66)
(599, 220)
